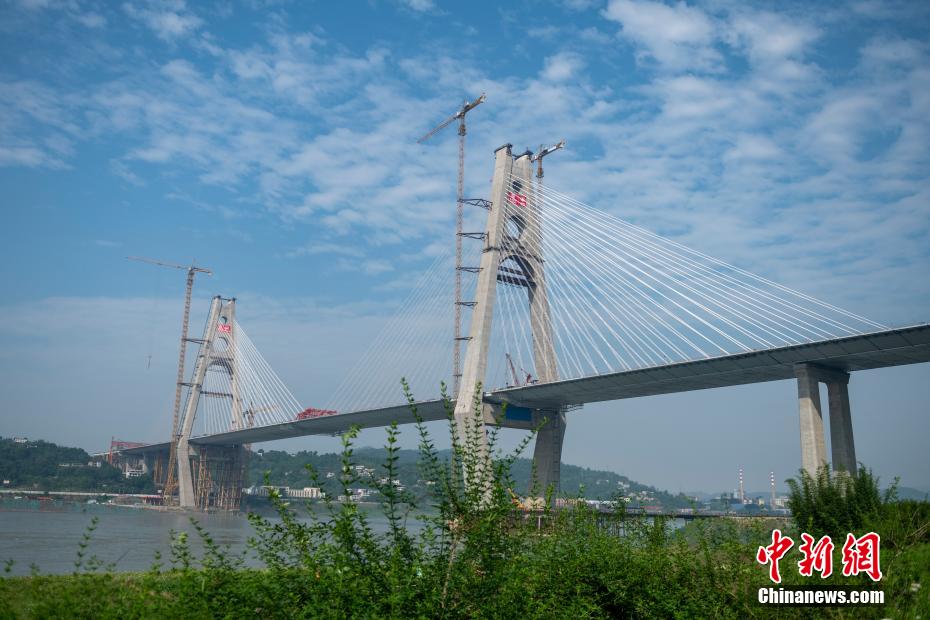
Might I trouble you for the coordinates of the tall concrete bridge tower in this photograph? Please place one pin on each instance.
(513, 255)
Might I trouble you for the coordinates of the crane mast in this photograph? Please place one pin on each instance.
(192, 270)
(460, 198)
(538, 157)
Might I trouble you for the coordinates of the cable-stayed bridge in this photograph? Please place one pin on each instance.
(569, 305)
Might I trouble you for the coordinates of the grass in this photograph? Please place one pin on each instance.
(474, 557)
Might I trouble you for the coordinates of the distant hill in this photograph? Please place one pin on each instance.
(288, 470)
(912, 493)
(43, 466)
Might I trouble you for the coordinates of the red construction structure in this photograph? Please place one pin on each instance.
(116, 445)
(311, 412)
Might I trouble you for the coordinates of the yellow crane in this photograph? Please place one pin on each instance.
(459, 116)
(192, 270)
(538, 157)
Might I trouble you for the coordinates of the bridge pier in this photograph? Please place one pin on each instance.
(813, 444)
(547, 454)
(841, 433)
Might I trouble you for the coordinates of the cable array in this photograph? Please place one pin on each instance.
(415, 343)
(263, 398)
(623, 298)
(620, 298)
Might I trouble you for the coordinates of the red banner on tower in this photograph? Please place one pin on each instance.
(516, 199)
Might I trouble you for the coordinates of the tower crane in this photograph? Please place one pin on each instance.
(192, 270)
(460, 117)
(538, 157)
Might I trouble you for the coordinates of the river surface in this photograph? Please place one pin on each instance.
(47, 534)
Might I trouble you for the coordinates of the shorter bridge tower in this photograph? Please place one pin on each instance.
(211, 476)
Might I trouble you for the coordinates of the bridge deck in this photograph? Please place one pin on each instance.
(894, 347)
(430, 411)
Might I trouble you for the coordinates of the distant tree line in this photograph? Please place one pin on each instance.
(289, 470)
(43, 466)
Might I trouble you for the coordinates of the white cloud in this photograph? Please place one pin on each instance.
(420, 5)
(543, 32)
(34, 5)
(318, 248)
(834, 132)
(769, 37)
(882, 53)
(168, 19)
(377, 266)
(753, 147)
(581, 5)
(676, 37)
(562, 66)
(593, 35)
(91, 19)
(27, 156)
(37, 125)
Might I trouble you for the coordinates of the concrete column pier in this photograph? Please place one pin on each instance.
(813, 446)
(841, 434)
(547, 455)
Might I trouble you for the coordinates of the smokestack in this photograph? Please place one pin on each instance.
(742, 494)
(772, 480)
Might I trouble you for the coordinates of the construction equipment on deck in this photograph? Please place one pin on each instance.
(117, 445)
(516, 379)
(513, 371)
(309, 413)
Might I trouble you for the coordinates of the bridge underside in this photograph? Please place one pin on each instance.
(894, 347)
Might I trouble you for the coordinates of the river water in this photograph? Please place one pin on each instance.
(46, 534)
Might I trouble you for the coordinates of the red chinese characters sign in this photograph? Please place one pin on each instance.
(817, 557)
(860, 555)
(773, 553)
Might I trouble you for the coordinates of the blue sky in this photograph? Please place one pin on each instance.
(275, 142)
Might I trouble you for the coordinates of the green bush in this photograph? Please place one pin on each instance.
(835, 503)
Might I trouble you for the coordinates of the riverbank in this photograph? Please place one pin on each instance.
(572, 569)
(477, 555)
